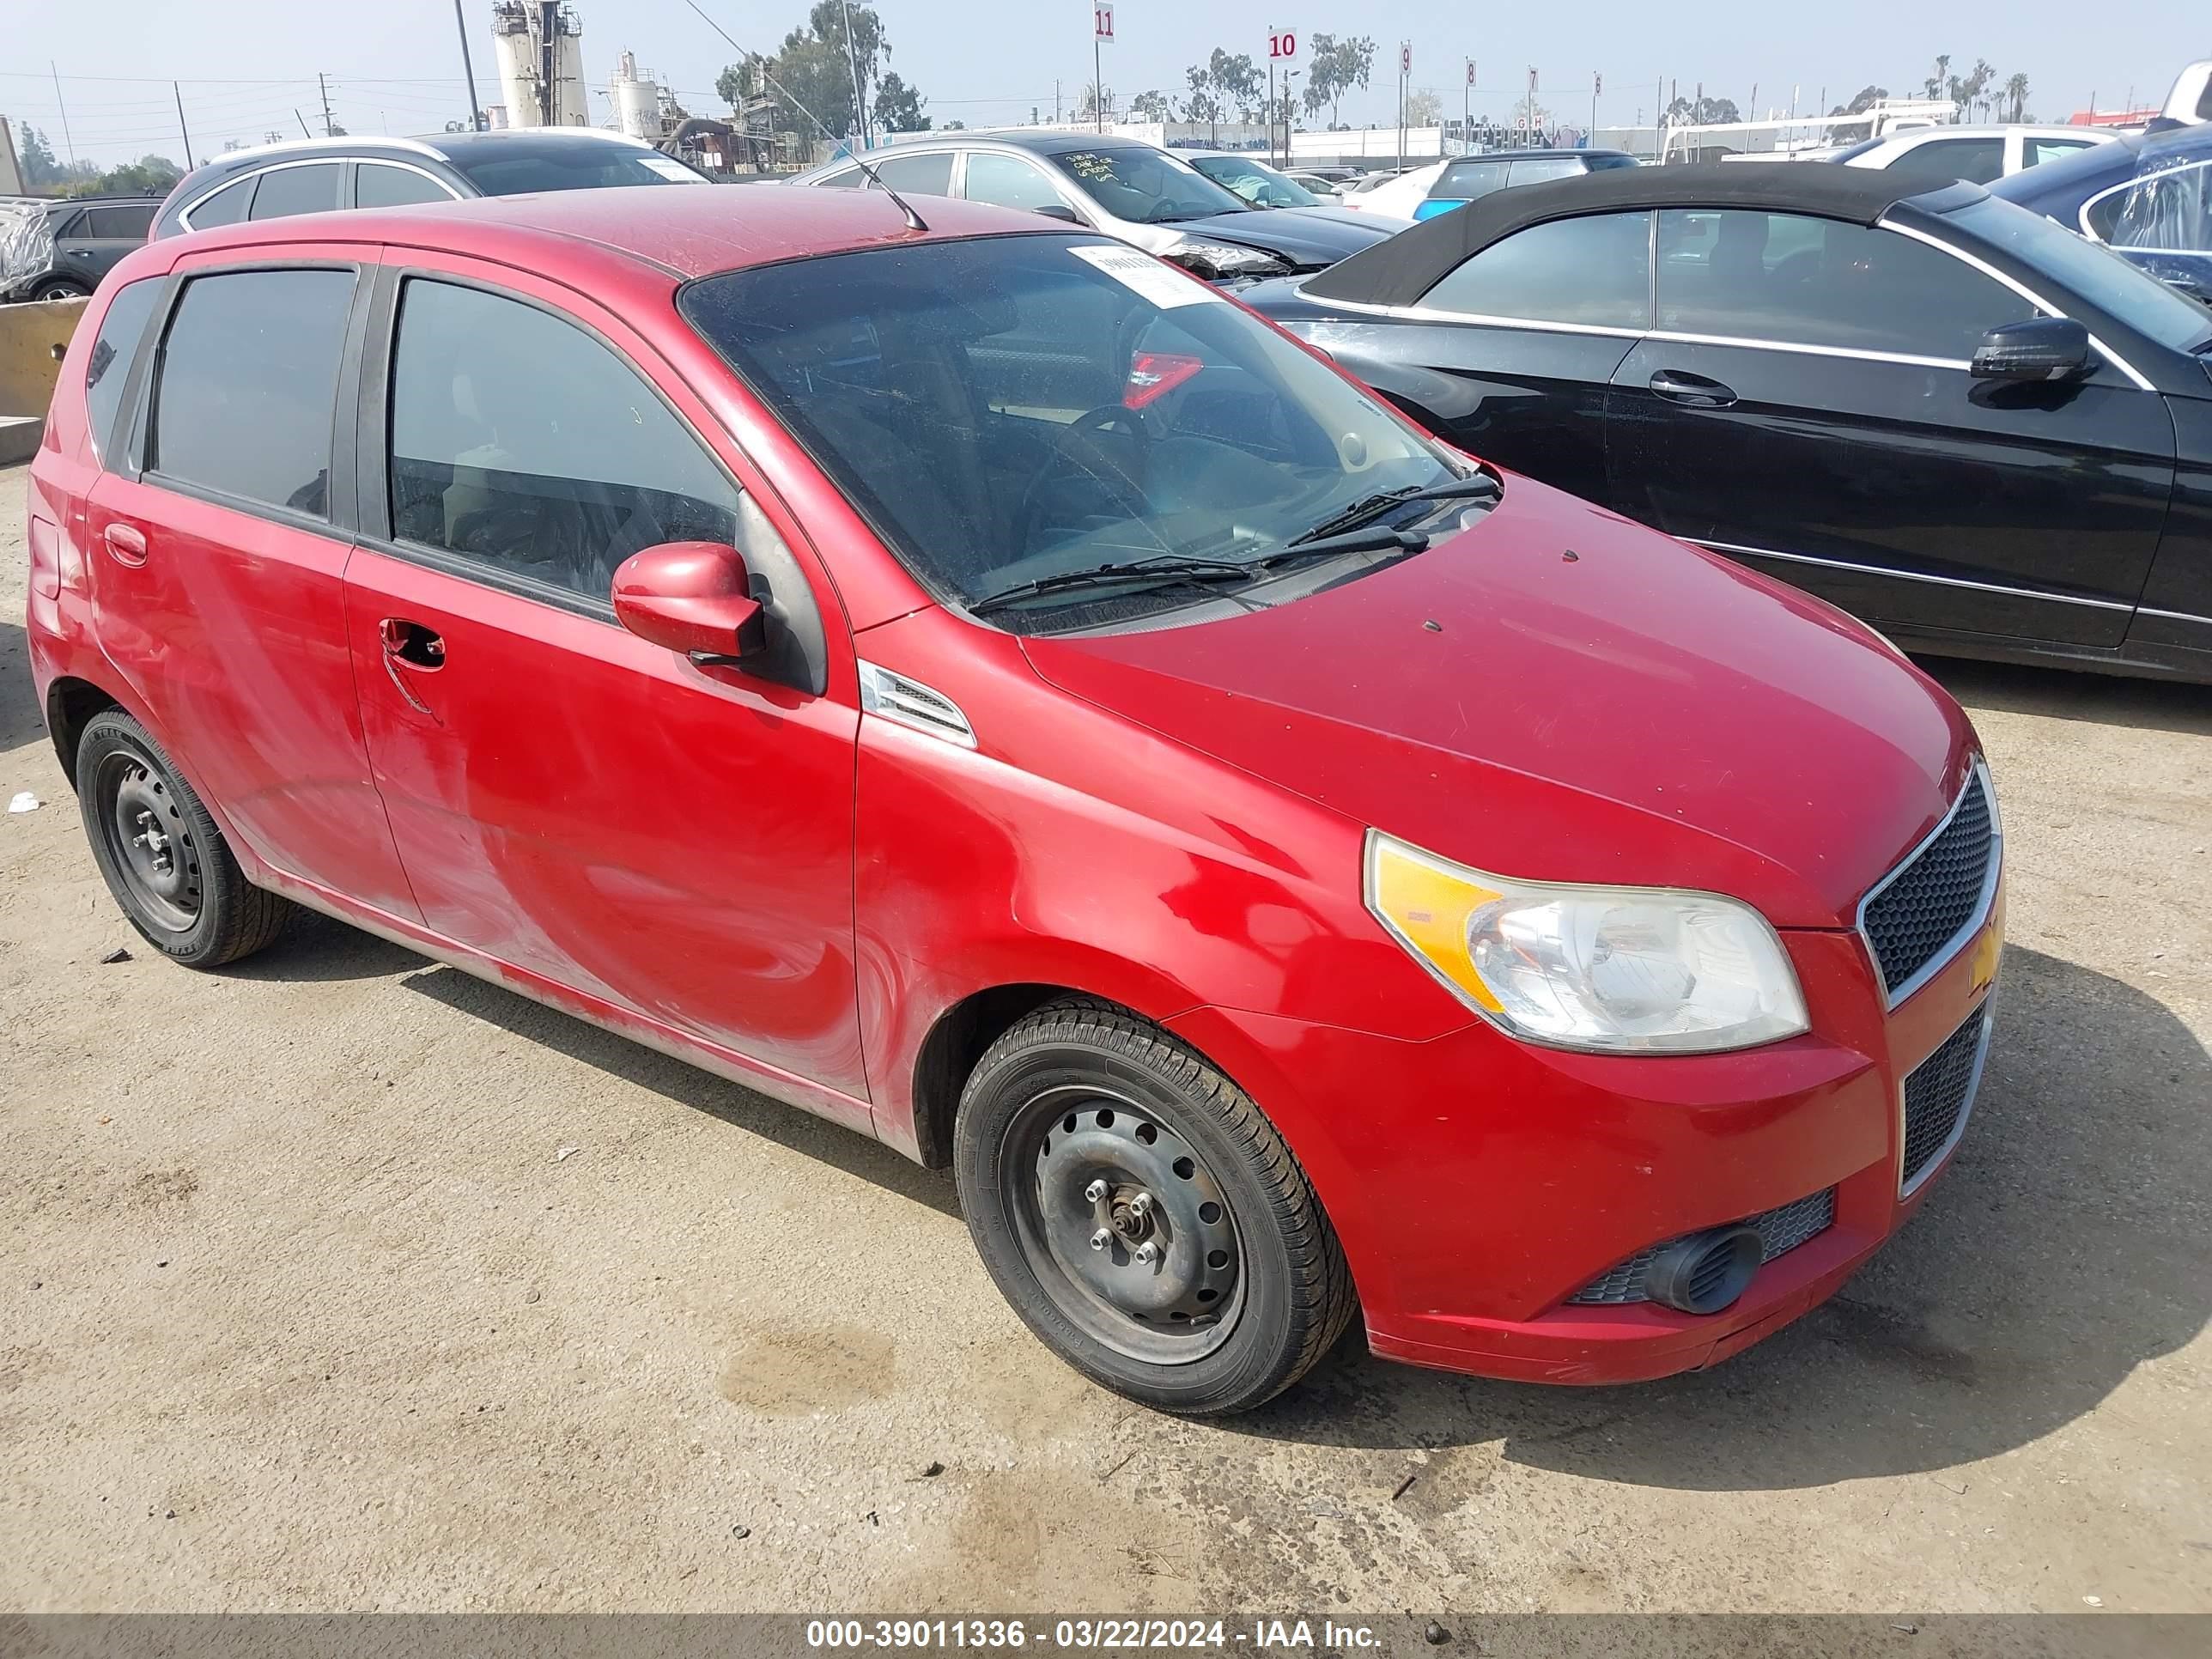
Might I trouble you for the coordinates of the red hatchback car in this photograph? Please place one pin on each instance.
(985, 687)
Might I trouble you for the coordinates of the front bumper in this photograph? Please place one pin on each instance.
(1478, 1183)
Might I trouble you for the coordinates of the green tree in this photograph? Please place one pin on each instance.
(37, 156)
(898, 107)
(1150, 106)
(1423, 108)
(2015, 92)
(1966, 91)
(1335, 68)
(1942, 79)
(1202, 103)
(1238, 80)
(1706, 112)
(1863, 100)
(813, 75)
(149, 175)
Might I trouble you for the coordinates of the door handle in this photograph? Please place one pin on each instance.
(411, 643)
(80, 253)
(126, 542)
(1680, 387)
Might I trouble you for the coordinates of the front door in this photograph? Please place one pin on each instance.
(1804, 404)
(672, 841)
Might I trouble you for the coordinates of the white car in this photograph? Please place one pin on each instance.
(1977, 155)
(1424, 192)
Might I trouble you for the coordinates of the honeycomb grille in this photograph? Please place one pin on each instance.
(1937, 1093)
(1932, 898)
(1780, 1231)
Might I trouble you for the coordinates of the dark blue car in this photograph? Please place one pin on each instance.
(2148, 197)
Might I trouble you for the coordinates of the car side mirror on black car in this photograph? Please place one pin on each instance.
(695, 597)
(2035, 348)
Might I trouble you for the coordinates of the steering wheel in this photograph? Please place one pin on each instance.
(1078, 457)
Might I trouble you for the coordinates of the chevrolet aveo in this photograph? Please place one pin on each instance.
(982, 685)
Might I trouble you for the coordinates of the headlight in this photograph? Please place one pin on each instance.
(1630, 970)
(1216, 259)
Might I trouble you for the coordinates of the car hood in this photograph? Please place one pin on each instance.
(1304, 236)
(1559, 693)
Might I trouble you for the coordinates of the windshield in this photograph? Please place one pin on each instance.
(1145, 186)
(2096, 273)
(1015, 409)
(1255, 182)
(524, 168)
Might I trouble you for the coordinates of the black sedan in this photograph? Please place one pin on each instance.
(1939, 410)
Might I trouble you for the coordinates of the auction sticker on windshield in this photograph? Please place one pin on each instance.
(1147, 276)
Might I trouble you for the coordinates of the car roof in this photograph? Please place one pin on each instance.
(683, 232)
(1050, 141)
(1399, 272)
(64, 203)
(1532, 155)
(1998, 129)
(2062, 185)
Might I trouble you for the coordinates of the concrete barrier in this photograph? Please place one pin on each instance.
(28, 335)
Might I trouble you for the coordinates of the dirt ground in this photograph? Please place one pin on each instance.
(302, 1308)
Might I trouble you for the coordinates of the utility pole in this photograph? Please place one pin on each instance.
(1098, 82)
(548, 58)
(302, 120)
(1597, 85)
(70, 143)
(468, 69)
(177, 94)
(853, 63)
(1467, 110)
(1405, 69)
(330, 127)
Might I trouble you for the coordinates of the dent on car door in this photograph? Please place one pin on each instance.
(222, 530)
(1805, 405)
(671, 840)
(1510, 354)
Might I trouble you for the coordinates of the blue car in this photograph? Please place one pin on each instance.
(2148, 196)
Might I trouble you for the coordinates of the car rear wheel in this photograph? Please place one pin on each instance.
(1142, 1216)
(160, 854)
(60, 287)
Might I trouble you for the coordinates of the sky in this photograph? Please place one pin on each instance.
(247, 68)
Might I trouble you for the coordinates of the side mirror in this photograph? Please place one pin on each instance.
(2039, 348)
(691, 596)
(1060, 211)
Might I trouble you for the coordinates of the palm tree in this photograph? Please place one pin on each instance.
(2016, 91)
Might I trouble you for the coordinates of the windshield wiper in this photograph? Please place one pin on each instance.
(1168, 571)
(1373, 507)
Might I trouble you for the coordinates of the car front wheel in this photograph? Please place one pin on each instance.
(161, 854)
(1142, 1216)
(60, 287)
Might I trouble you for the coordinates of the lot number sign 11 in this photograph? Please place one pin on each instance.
(1101, 23)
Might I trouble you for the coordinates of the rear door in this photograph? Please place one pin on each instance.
(1512, 354)
(220, 536)
(1804, 404)
(671, 840)
(100, 237)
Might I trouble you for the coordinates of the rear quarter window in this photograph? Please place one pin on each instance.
(108, 367)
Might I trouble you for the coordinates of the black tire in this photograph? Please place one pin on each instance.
(1122, 1097)
(174, 877)
(60, 287)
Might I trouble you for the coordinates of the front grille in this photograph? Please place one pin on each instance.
(1780, 1231)
(1935, 894)
(1937, 1093)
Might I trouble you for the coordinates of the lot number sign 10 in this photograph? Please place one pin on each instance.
(1283, 45)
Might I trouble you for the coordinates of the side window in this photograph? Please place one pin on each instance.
(226, 207)
(843, 179)
(1794, 280)
(248, 377)
(130, 223)
(68, 225)
(2034, 152)
(1544, 169)
(924, 175)
(1467, 181)
(287, 191)
(1594, 271)
(520, 442)
(2169, 211)
(377, 186)
(112, 348)
(1008, 181)
(1977, 160)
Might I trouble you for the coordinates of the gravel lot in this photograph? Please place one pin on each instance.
(302, 1309)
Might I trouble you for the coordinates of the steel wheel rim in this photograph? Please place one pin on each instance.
(1165, 1283)
(152, 851)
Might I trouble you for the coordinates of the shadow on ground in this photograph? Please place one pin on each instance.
(19, 719)
(687, 1085)
(2065, 1245)
(2056, 694)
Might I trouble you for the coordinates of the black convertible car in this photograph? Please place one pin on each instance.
(1939, 410)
